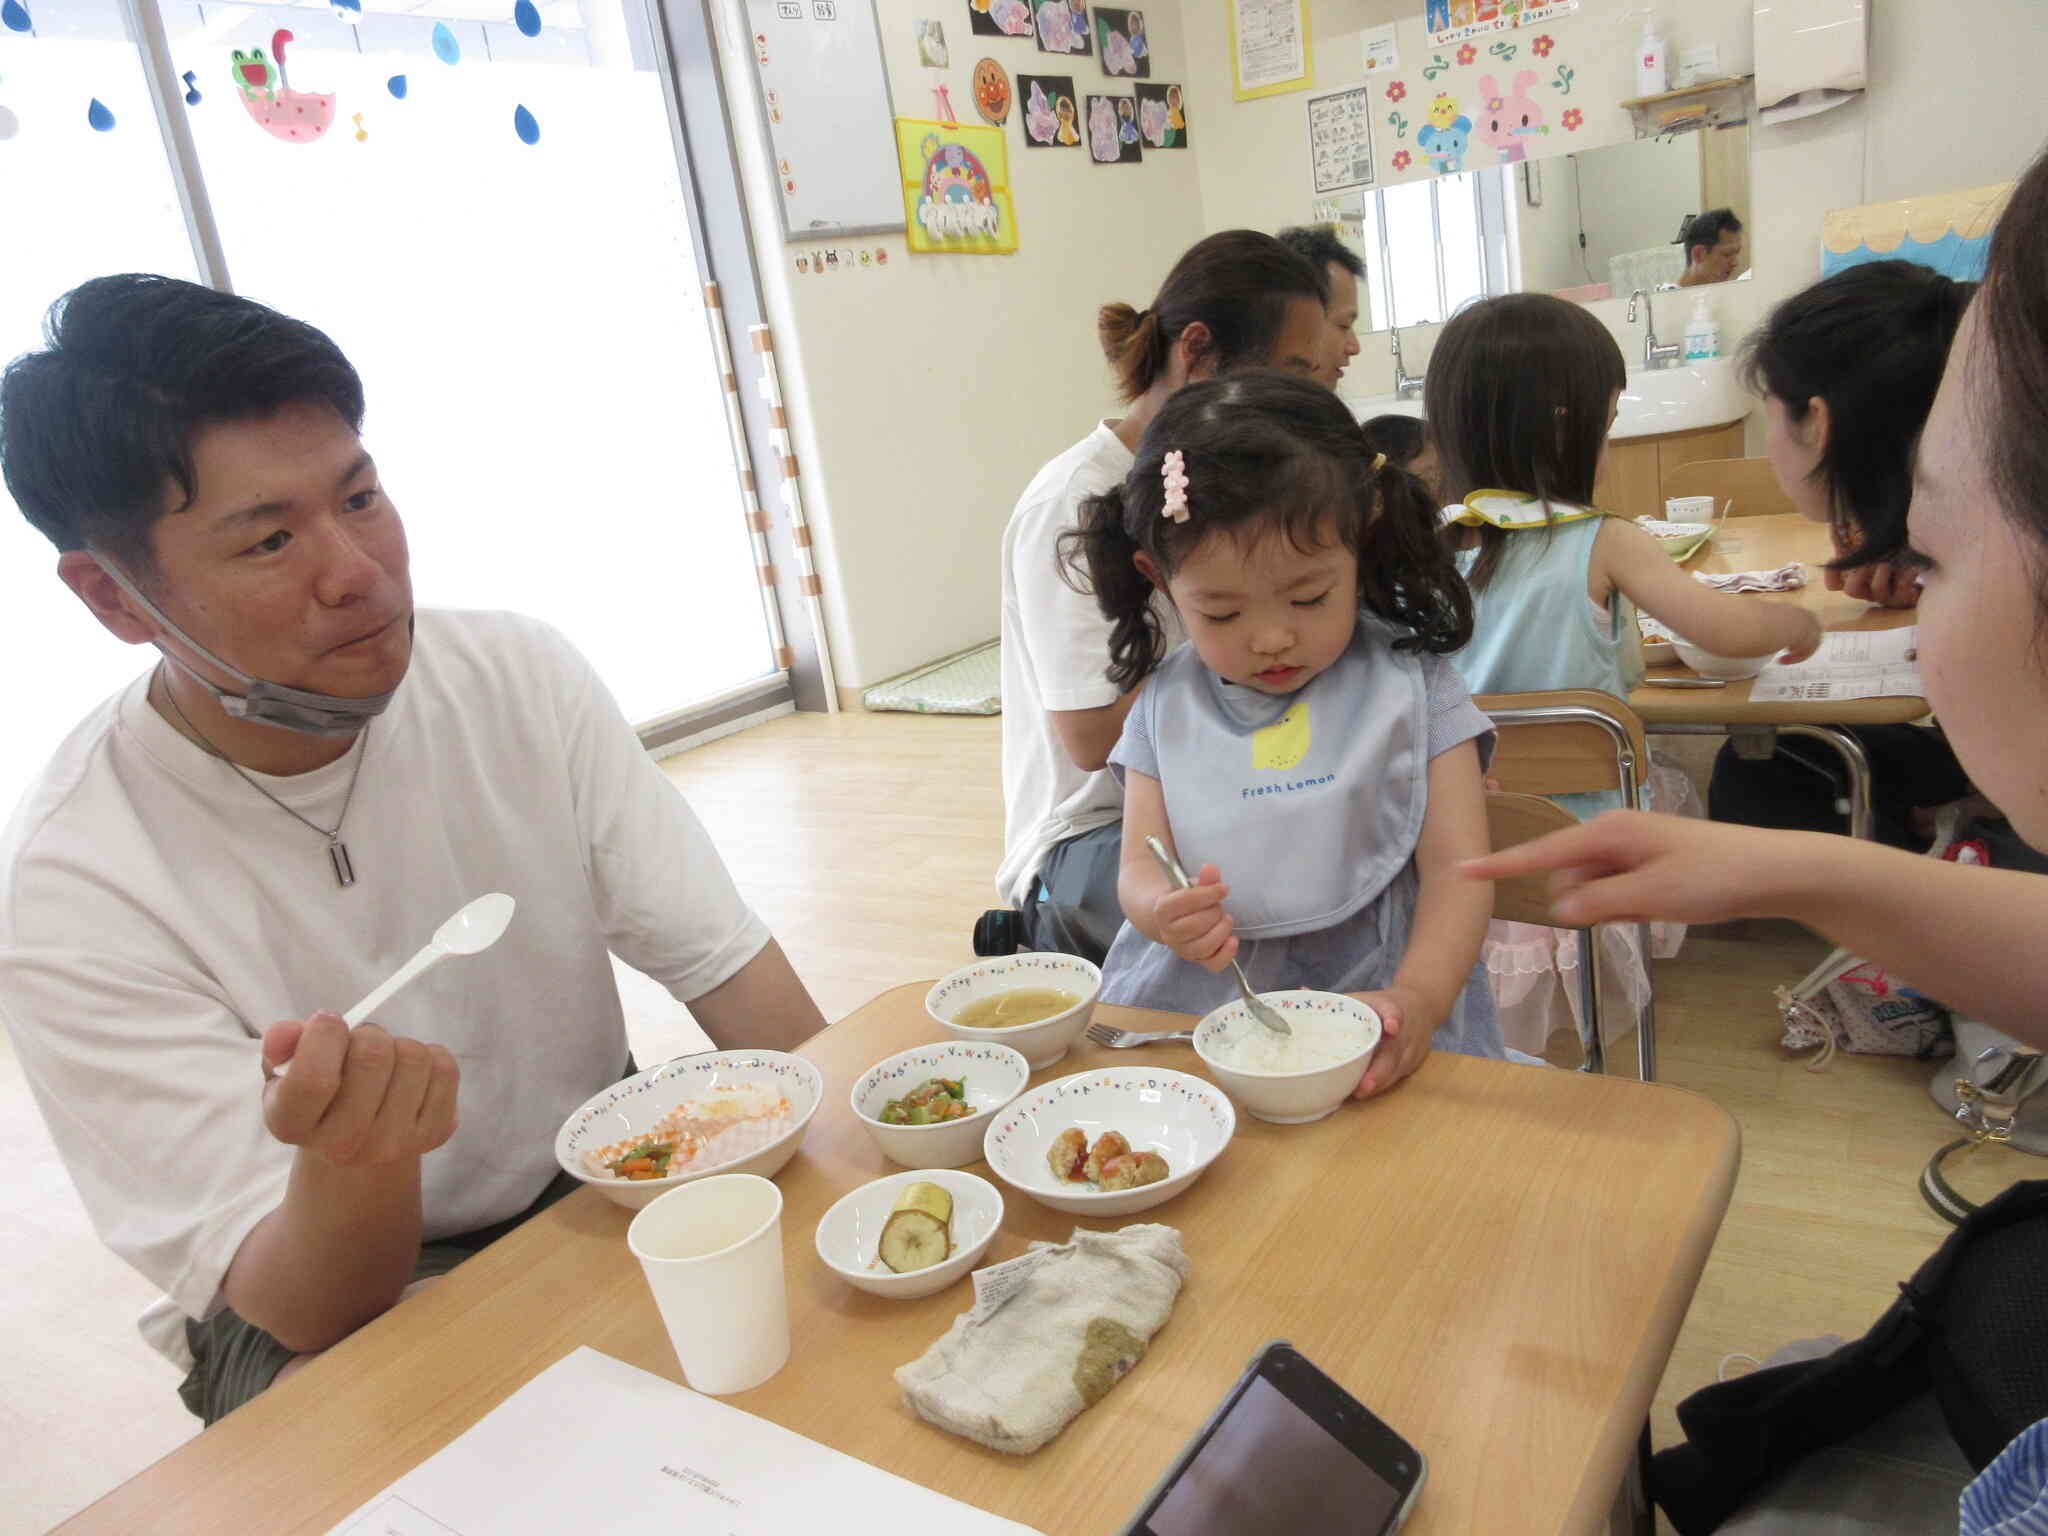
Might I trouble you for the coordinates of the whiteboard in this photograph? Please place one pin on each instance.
(825, 103)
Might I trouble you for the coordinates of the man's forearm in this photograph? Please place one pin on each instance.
(334, 1254)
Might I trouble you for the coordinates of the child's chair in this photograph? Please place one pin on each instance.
(1749, 483)
(1513, 819)
(1569, 741)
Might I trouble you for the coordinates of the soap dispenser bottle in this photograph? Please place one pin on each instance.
(1653, 60)
(1702, 332)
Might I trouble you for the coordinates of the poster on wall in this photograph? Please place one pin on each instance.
(1340, 140)
(956, 189)
(1536, 12)
(1000, 18)
(1269, 47)
(1113, 130)
(1052, 120)
(1379, 50)
(1453, 21)
(1121, 43)
(1162, 116)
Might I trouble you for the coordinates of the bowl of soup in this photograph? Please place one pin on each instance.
(1036, 1004)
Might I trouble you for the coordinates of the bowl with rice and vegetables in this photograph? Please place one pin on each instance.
(1290, 1079)
(714, 1112)
(927, 1107)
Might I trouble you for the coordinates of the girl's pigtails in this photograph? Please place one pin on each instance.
(1099, 556)
(1406, 570)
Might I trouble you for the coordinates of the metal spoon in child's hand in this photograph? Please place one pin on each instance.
(470, 931)
(1263, 1012)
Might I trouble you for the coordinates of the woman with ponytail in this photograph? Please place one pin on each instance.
(1234, 299)
(1310, 737)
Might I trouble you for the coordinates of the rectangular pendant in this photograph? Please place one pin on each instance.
(344, 867)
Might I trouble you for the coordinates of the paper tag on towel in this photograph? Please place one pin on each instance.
(999, 1282)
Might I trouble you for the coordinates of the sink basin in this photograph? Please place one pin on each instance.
(1680, 399)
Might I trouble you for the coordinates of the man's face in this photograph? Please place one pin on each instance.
(1341, 318)
(1303, 345)
(289, 562)
(1720, 263)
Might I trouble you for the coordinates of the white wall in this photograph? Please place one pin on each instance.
(1635, 195)
(925, 393)
(1550, 234)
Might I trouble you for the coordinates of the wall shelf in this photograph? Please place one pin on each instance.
(1704, 88)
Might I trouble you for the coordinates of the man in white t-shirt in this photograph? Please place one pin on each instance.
(260, 829)
(1235, 299)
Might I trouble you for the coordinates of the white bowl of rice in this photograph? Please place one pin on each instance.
(1290, 1079)
(715, 1112)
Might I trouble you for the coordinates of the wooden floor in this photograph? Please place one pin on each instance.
(868, 843)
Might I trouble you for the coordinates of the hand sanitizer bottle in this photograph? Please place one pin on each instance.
(1702, 332)
(1653, 62)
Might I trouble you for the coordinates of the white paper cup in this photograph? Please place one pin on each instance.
(712, 1251)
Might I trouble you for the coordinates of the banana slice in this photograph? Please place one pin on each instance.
(927, 1197)
(914, 1239)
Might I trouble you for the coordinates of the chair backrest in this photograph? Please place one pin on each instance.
(1513, 819)
(1566, 742)
(1749, 483)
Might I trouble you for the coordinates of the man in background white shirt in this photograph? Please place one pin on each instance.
(264, 826)
(1235, 299)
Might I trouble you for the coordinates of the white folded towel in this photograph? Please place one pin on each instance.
(1049, 1334)
(1786, 578)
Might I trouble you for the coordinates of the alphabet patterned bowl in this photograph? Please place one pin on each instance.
(1291, 1098)
(1042, 1043)
(850, 1234)
(628, 1108)
(992, 1074)
(1184, 1119)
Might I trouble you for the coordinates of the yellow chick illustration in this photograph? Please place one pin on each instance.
(1284, 743)
(1443, 111)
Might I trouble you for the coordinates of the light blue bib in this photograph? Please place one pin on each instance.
(1310, 802)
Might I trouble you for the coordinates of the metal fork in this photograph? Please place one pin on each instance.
(1123, 1039)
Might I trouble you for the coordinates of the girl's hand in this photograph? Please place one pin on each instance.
(1193, 924)
(1808, 641)
(1408, 1027)
(1630, 866)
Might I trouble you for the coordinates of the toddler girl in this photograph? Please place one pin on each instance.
(1309, 738)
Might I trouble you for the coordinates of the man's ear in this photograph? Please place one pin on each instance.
(82, 572)
(1194, 352)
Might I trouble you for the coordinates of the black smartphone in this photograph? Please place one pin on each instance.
(1288, 1451)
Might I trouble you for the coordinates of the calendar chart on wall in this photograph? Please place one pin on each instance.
(830, 120)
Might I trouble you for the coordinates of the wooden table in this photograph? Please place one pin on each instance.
(1764, 544)
(1495, 1258)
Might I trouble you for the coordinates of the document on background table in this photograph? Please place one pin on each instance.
(592, 1443)
(1865, 664)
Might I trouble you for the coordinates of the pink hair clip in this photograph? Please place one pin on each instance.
(1174, 476)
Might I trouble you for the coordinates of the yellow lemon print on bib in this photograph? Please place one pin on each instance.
(1284, 743)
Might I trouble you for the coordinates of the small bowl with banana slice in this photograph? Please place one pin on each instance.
(910, 1234)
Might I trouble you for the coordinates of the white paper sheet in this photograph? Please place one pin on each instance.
(1272, 48)
(1871, 664)
(594, 1444)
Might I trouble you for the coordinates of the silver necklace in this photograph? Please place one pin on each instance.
(337, 850)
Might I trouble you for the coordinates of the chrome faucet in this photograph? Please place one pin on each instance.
(1656, 354)
(1407, 386)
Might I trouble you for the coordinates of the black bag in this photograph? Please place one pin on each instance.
(1972, 1325)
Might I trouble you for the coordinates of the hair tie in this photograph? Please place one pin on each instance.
(1174, 476)
(1379, 462)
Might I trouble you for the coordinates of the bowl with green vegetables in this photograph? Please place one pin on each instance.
(928, 1106)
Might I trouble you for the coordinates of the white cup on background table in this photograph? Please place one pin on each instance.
(712, 1253)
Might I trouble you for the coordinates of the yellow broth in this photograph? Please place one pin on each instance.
(1019, 1005)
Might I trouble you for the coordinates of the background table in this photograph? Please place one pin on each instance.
(1764, 544)
(1495, 1258)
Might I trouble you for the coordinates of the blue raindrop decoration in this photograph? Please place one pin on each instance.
(101, 119)
(192, 96)
(526, 17)
(524, 125)
(446, 49)
(15, 14)
(350, 11)
(396, 86)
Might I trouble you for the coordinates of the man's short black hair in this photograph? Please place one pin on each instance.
(97, 424)
(1707, 229)
(1320, 245)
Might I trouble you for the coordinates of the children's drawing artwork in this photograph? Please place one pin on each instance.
(1063, 27)
(1162, 116)
(932, 52)
(1452, 21)
(297, 117)
(1120, 39)
(1113, 130)
(1509, 119)
(992, 94)
(1000, 18)
(956, 188)
(1050, 118)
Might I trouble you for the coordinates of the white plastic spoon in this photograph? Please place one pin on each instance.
(475, 928)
